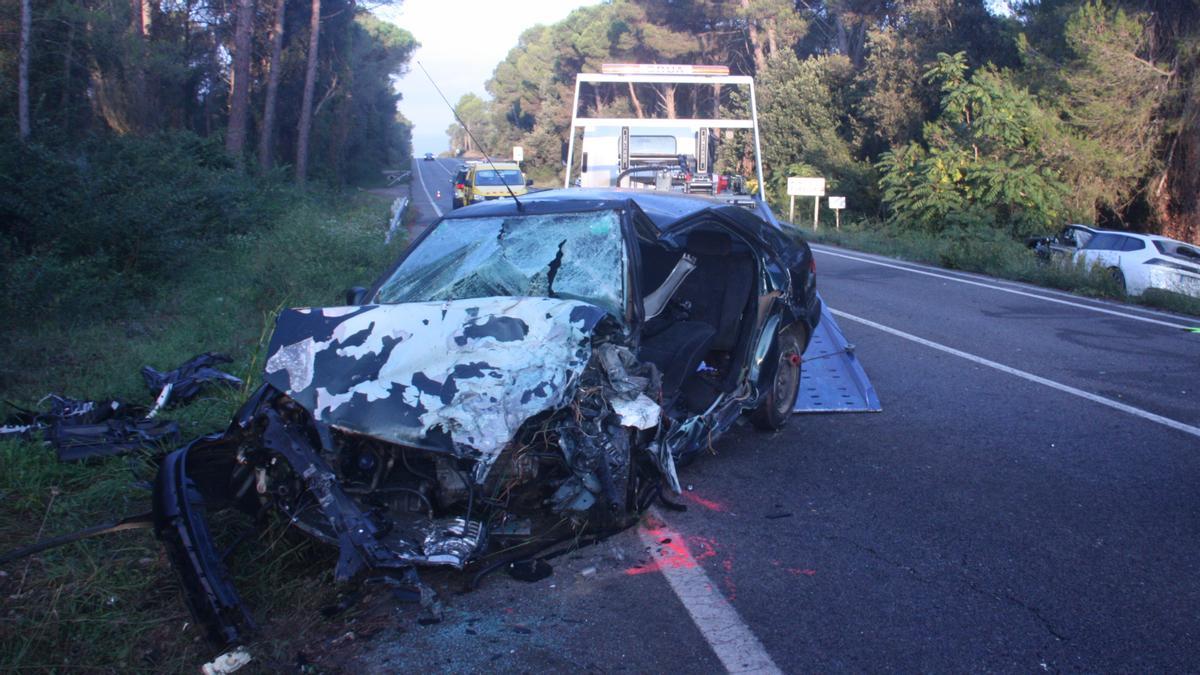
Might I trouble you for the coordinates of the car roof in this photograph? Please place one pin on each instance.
(662, 208)
(1140, 235)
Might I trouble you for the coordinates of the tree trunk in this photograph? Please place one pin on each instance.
(760, 61)
(637, 105)
(239, 99)
(267, 137)
(1175, 195)
(668, 99)
(64, 103)
(135, 17)
(306, 107)
(23, 71)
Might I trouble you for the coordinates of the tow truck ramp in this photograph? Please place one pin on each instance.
(832, 379)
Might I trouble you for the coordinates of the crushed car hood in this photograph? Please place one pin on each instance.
(459, 376)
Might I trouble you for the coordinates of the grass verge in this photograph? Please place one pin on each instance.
(989, 252)
(113, 603)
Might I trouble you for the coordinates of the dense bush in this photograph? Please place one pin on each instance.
(94, 227)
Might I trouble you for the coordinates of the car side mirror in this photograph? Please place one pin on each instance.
(355, 295)
(529, 183)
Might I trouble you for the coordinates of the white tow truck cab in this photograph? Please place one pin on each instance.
(671, 153)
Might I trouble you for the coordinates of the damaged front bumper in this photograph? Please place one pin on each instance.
(389, 508)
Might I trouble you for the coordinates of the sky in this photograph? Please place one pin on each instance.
(461, 43)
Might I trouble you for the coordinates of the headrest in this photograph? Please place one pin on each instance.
(705, 242)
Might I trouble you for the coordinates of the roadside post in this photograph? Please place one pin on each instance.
(837, 204)
(799, 186)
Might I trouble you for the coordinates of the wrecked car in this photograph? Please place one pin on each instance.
(527, 370)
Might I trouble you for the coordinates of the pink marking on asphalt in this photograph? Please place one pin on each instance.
(706, 503)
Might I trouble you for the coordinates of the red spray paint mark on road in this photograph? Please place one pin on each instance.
(706, 503)
(671, 551)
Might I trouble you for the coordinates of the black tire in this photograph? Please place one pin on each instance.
(1119, 277)
(780, 382)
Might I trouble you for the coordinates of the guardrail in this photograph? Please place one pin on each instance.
(396, 177)
(398, 208)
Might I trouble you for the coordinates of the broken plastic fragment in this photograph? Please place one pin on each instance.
(640, 413)
(189, 378)
(228, 662)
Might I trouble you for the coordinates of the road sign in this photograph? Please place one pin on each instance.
(806, 187)
(837, 204)
(799, 186)
(518, 153)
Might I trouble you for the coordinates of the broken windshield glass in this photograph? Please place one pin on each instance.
(564, 255)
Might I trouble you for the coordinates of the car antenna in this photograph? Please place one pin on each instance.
(486, 155)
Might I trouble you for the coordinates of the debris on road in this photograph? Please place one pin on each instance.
(83, 429)
(229, 662)
(529, 570)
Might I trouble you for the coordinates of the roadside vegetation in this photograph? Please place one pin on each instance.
(189, 255)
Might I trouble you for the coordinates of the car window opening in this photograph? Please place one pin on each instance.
(699, 340)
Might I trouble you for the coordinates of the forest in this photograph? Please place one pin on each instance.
(134, 133)
(931, 114)
(294, 82)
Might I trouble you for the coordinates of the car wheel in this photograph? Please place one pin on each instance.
(1119, 277)
(779, 390)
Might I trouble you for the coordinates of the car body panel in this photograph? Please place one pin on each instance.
(458, 377)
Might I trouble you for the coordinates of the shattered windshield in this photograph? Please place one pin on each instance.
(579, 256)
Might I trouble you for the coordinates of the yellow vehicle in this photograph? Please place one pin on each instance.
(487, 181)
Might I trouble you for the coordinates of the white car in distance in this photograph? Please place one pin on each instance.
(1142, 261)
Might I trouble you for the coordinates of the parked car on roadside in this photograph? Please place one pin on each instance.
(1140, 261)
(1064, 244)
(527, 370)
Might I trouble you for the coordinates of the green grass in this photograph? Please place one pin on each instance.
(112, 603)
(992, 253)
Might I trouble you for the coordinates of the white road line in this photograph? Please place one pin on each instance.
(1002, 289)
(730, 639)
(1003, 283)
(1117, 405)
(443, 167)
(421, 178)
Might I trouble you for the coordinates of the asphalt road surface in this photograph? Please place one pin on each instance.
(1025, 502)
(433, 187)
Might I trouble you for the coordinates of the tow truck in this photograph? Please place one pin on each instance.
(680, 154)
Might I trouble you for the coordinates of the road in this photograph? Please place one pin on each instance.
(1025, 502)
(433, 187)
